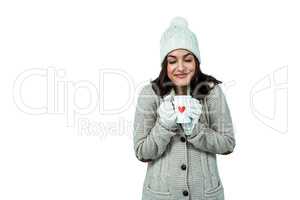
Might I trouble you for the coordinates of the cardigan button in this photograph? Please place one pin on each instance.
(182, 139)
(185, 193)
(183, 167)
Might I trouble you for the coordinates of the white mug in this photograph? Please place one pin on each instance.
(182, 107)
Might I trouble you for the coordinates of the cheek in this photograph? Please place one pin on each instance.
(192, 74)
(170, 71)
(191, 67)
(192, 71)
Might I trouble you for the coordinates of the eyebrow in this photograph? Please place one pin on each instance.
(183, 55)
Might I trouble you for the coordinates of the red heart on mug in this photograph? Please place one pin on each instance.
(181, 108)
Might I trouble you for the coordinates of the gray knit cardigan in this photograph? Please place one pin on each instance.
(180, 166)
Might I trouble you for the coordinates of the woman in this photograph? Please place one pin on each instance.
(181, 158)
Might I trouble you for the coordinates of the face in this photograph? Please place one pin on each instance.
(181, 67)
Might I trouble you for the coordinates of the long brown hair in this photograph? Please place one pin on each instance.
(200, 85)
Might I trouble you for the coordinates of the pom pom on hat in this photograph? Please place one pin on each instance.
(179, 22)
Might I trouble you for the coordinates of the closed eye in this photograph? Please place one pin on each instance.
(172, 62)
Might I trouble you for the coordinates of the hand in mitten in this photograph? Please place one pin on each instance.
(194, 113)
(167, 114)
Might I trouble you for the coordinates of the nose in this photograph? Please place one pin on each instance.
(180, 66)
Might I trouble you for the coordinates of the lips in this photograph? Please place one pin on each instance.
(180, 75)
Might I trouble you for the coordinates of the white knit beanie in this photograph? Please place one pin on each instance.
(178, 36)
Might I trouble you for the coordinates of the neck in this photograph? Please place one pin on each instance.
(180, 90)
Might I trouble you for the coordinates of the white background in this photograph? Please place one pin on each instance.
(47, 152)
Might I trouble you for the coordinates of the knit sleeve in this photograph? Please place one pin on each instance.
(149, 136)
(218, 137)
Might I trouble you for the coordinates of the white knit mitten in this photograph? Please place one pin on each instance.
(167, 114)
